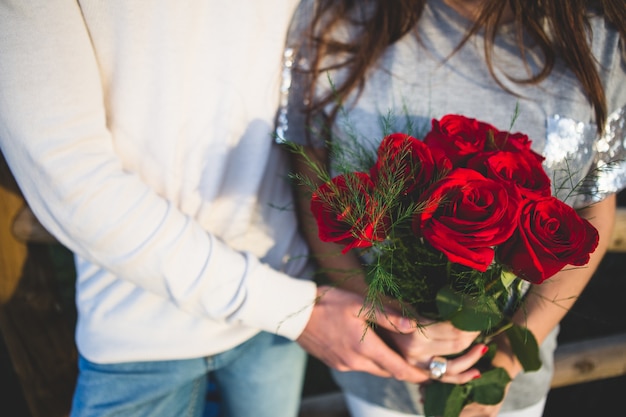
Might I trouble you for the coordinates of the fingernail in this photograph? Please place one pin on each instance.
(405, 324)
(477, 376)
(484, 350)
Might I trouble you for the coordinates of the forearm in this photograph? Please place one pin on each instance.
(546, 304)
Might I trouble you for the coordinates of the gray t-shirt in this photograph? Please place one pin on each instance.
(413, 83)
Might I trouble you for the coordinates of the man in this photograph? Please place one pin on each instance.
(139, 133)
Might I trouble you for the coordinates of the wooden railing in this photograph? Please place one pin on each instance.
(576, 362)
(595, 358)
(36, 332)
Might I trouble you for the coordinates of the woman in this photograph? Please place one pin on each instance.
(561, 64)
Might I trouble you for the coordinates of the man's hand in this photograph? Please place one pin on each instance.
(335, 335)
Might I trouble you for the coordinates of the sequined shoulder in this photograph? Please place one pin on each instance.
(586, 168)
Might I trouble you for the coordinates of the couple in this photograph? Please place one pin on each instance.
(140, 135)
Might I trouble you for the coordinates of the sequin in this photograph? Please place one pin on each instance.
(569, 153)
(282, 124)
(585, 170)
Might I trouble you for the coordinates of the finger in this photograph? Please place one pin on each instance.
(345, 357)
(359, 364)
(421, 349)
(460, 370)
(461, 378)
(445, 331)
(454, 345)
(391, 362)
(467, 360)
(383, 362)
(392, 320)
(480, 410)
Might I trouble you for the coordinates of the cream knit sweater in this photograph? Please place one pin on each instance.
(140, 134)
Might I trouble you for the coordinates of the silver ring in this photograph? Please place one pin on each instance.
(438, 366)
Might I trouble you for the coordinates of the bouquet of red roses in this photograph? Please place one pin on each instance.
(454, 227)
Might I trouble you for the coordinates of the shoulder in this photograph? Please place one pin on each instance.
(605, 40)
(609, 51)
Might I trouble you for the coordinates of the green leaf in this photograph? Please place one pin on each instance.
(474, 316)
(525, 347)
(457, 399)
(507, 278)
(437, 394)
(447, 400)
(448, 302)
(490, 387)
(466, 313)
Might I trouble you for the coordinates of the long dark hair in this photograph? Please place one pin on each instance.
(560, 28)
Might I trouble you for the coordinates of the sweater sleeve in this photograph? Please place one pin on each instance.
(53, 133)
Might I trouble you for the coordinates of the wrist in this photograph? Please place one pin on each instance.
(505, 358)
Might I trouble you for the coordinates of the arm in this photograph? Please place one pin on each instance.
(55, 135)
(549, 302)
(373, 355)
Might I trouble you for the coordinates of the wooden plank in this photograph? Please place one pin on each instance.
(27, 228)
(618, 239)
(590, 360)
(37, 332)
(12, 252)
(39, 337)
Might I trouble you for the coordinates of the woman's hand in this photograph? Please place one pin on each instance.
(439, 339)
(505, 359)
(481, 410)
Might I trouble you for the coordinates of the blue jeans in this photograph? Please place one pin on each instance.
(262, 377)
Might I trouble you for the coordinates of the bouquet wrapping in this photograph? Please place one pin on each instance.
(454, 227)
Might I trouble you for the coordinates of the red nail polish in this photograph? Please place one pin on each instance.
(477, 376)
(485, 349)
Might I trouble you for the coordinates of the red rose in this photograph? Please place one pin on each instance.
(550, 236)
(345, 212)
(512, 142)
(518, 169)
(407, 163)
(515, 142)
(466, 215)
(459, 137)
